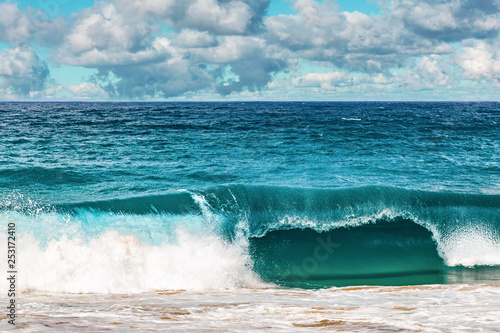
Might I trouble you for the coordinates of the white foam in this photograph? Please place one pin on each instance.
(470, 246)
(344, 219)
(432, 308)
(114, 263)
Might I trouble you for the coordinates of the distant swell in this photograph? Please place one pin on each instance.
(243, 236)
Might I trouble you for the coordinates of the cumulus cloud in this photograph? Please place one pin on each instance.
(19, 26)
(327, 81)
(430, 72)
(15, 25)
(134, 62)
(48, 93)
(22, 71)
(351, 41)
(166, 48)
(480, 60)
(167, 79)
(253, 74)
(100, 36)
(87, 91)
(315, 25)
(223, 17)
(433, 70)
(239, 63)
(189, 38)
(452, 20)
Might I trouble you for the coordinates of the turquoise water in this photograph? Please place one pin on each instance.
(306, 195)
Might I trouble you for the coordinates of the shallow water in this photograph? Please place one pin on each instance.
(426, 308)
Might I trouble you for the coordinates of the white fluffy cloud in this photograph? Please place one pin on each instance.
(480, 61)
(165, 48)
(226, 17)
(134, 58)
(430, 72)
(315, 25)
(190, 38)
(351, 41)
(100, 36)
(87, 91)
(22, 71)
(14, 24)
(18, 27)
(451, 20)
(327, 81)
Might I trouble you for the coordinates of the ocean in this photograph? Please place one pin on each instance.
(236, 216)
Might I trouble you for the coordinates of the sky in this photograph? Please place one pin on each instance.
(206, 50)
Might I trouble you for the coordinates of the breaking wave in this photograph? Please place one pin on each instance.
(238, 236)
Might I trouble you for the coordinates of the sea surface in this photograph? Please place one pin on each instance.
(287, 216)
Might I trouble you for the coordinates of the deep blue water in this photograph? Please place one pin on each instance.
(274, 174)
(88, 151)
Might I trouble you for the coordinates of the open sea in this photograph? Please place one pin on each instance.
(280, 216)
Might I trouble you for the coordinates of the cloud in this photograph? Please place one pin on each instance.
(22, 71)
(480, 61)
(315, 25)
(239, 62)
(434, 70)
(350, 41)
(48, 93)
(20, 27)
(189, 38)
(105, 58)
(253, 74)
(430, 72)
(134, 60)
(222, 17)
(15, 26)
(453, 20)
(327, 81)
(100, 36)
(167, 79)
(87, 91)
(167, 48)
(229, 18)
